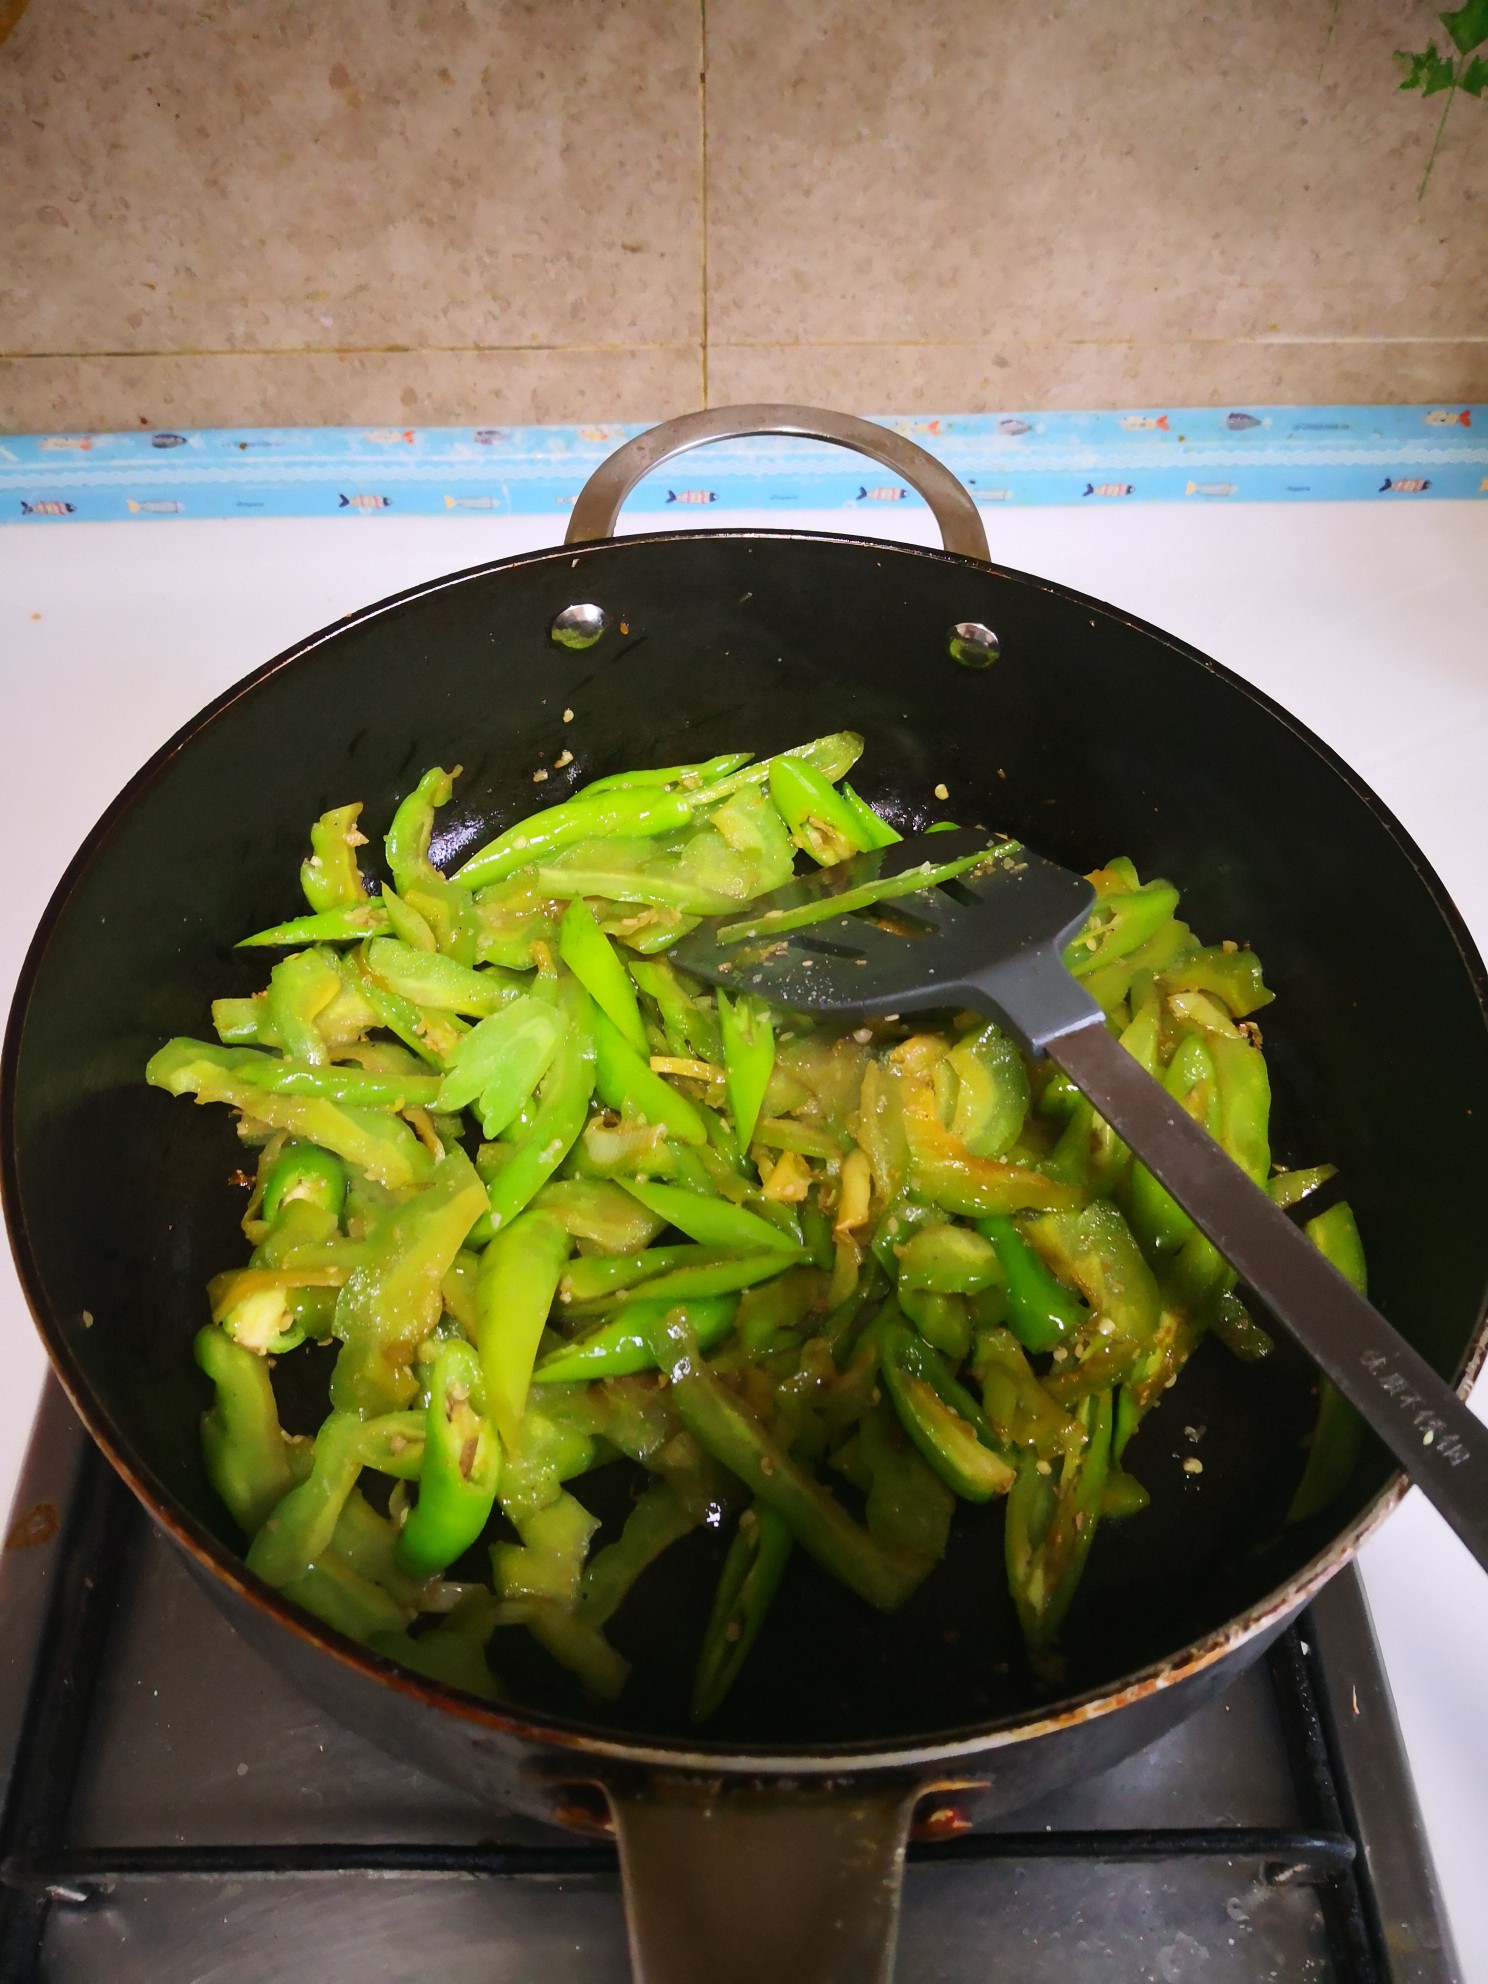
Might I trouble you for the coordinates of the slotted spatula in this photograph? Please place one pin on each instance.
(992, 938)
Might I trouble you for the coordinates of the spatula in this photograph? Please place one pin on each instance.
(991, 938)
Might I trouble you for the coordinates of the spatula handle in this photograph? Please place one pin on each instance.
(1439, 1443)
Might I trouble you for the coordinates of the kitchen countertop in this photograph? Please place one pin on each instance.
(1367, 623)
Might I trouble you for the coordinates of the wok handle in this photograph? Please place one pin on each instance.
(1441, 1445)
(737, 1884)
(599, 501)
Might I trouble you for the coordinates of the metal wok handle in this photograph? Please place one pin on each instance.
(778, 1883)
(599, 501)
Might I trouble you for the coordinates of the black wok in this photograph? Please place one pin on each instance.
(773, 1844)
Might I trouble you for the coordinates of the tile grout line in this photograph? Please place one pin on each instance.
(703, 193)
(1258, 342)
(347, 351)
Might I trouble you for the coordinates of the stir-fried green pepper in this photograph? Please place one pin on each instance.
(1019, 1411)
(306, 1173)
(1096, 1251)
(590, 956)
(1052, 1514)
(1122, 920)
(992, 1092)
(690, 776)
(656, 1522)
(300, 987)
(1225, 972)
(455, 1651)
(821, 822)
(907, 1505)
(428, 978)
(872, 829)
(731, 1433)
(625, 1343)
(460, 1468)
(343, 1598)
(601, 1212)
(561, 1109)
(626, 1082)
(752, 1570)
(909, 1258)
(1339, 1432)
(379, 1144)
(518, 1280)
(1192, 1080)
(711, 1222)
(723, 1275)
(300, 1529)
(247, 1456)
(1041, 1311)
(940, 1266)
(340, 924)
(748, 1037)
(500, 1062)
(688, 1022)
(329, 875)
(942, 1418)
(407, 841)
(625, 811)
(390, 1304)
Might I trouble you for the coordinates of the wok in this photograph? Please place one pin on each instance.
(771, 1844)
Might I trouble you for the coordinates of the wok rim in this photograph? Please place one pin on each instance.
(682, 1754)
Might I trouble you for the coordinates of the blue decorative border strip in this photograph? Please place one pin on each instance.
(1183, 455)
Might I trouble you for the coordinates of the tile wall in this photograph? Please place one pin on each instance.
(413, 212)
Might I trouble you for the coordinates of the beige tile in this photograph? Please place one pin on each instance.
(1057, 169)
(351, 174)
(884, 378)
(311, 389)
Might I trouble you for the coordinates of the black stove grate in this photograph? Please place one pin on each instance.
(40, 1870)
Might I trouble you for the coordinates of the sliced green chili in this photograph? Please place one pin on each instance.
(460, 1469)
(748, 1036)
(623, 1345)
(1041, 1310)
(1338, 1433)
(330, 876)
(628, 1084)
(941, 1417)
(590, 956)
(299, 1530)
(757, 1556)
(711, 1222)
(562, 1105)
(518, 1280)
(247, 1456)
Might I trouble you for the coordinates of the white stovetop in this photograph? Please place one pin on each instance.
(1367, 622)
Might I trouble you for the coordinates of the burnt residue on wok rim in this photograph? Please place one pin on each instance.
(1093, 735)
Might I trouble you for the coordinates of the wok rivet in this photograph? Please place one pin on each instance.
(578, 626)
(973, 645)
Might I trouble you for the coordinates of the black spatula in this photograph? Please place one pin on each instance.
(991, 938)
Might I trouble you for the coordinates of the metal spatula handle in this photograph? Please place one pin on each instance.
(994, 936)
(1439, 1443)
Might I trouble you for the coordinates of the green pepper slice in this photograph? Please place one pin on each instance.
(460, 1470)
(941, 1417)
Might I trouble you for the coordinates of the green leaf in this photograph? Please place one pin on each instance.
(1468, 27)
(1474, 77)
(1427, 72)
